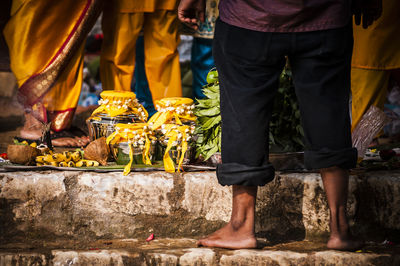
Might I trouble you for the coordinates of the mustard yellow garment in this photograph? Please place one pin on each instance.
(161, 39)
(363, 82)
(376, 52)
(377, 47)
(45, 40)
(62, 99)
(129, 6)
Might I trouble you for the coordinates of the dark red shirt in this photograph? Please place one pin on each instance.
(285, 15)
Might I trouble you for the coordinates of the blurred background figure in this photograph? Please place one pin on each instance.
(123, 20)
(375, 61)
(46, 55)
(139, 83)
(202, 59)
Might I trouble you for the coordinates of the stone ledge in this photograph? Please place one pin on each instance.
(183, 252)
(55, 204)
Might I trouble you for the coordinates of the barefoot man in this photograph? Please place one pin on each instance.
(252, 39)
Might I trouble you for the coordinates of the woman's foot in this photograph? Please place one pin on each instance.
(33, 130)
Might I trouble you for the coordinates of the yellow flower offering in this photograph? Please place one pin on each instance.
(115, 103)
(175, 110)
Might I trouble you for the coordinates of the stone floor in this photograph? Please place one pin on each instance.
(185, 252)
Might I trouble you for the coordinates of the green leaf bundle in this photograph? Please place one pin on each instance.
(208, 127)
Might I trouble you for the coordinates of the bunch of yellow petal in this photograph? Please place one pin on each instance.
(175, 110)
(115, 103)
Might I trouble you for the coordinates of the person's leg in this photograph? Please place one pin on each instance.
(368, 87)
(141, 86)
(321, 70)
(60, 103)
(336, 182)
(248, 69)
(117, 59)
(161, 39)
(201, 63)
(239, 232)
(43, 59)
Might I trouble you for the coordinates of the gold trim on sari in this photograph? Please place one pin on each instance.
(33, 89)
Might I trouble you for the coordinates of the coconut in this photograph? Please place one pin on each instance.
(22, 154)
(97, 150)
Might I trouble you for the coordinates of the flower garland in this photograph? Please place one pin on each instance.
(172, 111)
(178, 136)
(137, 135)
(115, 103)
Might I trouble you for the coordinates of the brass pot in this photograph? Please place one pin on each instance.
(102, 125)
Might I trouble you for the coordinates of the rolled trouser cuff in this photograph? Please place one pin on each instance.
(244, 175)
(325, 158)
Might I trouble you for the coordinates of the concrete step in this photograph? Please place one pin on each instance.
(89, 206)
(185, 252)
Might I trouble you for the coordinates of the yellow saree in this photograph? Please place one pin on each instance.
(45, 40)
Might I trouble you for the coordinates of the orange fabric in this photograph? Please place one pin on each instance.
(161, 40)
(46, 54)
(376, 52)
(368, 87)
(36, 31)
(62, 99)
(65, 93)
(377, 47)
(129, 6)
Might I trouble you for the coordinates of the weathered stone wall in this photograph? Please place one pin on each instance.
(90, 205)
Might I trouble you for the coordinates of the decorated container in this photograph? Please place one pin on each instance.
(132, 144)
(176, 146)
(174, 125)
(115, 108)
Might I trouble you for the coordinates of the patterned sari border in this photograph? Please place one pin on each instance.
(61, 120)
(34, 89)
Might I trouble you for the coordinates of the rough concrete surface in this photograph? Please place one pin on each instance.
(183, 252)
(109, 205)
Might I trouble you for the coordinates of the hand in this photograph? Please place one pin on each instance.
(366, 11)
(191, 12)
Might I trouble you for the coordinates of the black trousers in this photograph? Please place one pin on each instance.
(249, 64)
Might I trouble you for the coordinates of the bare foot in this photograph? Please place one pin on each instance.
(344, 244)
(32, 134)
(336, 182)
(229, 237)
(32, 130)
(57, 142)
(71, 142)
(239, 232)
